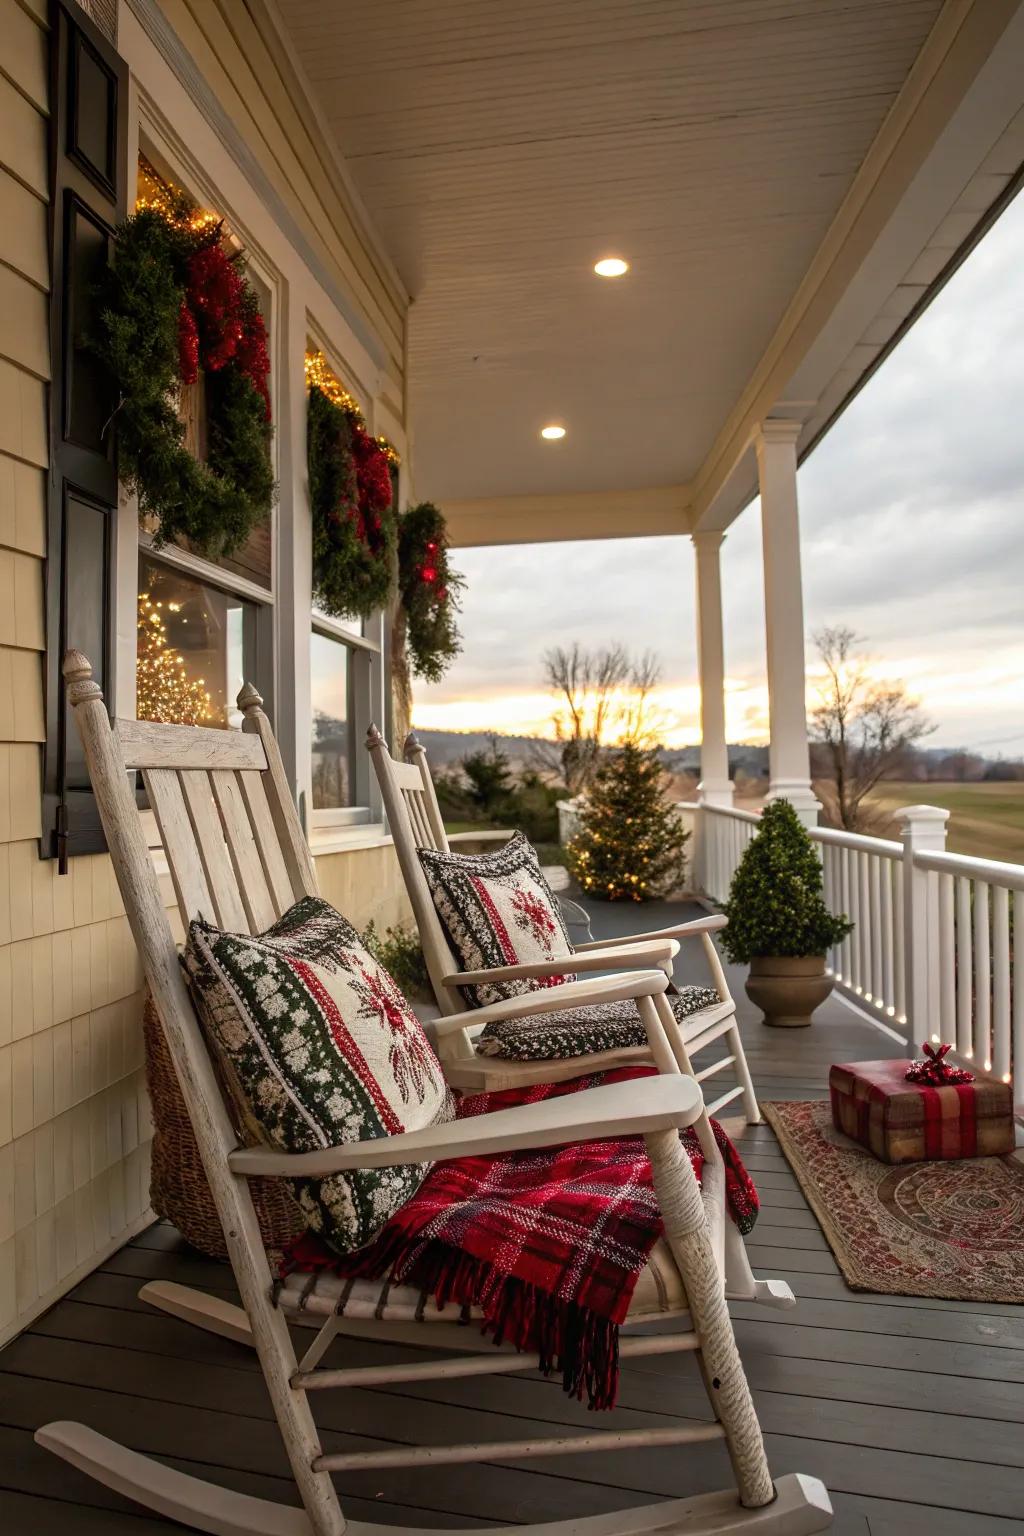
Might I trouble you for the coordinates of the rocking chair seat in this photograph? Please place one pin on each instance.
(659, 1289)
(569, 1032)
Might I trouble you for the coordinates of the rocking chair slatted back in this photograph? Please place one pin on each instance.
(414, 822)
(201, 787)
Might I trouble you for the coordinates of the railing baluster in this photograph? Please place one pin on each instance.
(1001, 982)
(864, 923)
(888, 984)
(877, 979)
(964, 970)
(946, 1022)
(1017, 1066)
(848, 943)
(899, 942)
(982, 977)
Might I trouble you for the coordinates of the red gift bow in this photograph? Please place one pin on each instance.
(935, 1071)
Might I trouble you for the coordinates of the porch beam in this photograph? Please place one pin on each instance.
(646, 512)
(715, 785)
(788, 752)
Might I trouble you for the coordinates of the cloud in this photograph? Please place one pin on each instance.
(911, 519)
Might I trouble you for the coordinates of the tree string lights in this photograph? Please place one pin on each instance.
(164, 690)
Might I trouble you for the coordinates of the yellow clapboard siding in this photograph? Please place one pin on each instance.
(22, 139)
(24, 335)
(23, 57)
(22, 506)
(288, 172)
(22, 415)
(23, 231)
(21, 695)
(249, 43)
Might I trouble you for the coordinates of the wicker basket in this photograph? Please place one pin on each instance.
(178, 1189)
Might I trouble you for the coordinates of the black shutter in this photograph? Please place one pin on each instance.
(88, 180)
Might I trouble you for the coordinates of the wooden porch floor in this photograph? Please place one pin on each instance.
(910, 1411)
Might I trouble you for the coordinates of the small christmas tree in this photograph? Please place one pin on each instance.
(164, 690)
(775, 905)
(630, 845)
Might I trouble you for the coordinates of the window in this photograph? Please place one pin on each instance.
(204, 627)
(346, 695)
(333, 744)
(197, 645)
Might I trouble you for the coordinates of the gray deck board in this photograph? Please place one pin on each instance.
(909, 1409)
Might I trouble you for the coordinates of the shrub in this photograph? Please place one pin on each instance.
(775, 905)
(398, 951)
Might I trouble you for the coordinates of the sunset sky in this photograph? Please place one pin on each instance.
(912, 515)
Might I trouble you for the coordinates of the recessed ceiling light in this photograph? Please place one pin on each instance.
(611, 266)
(552, 433)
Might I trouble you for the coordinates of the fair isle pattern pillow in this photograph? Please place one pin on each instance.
(569, 1032)
(497, 909)
(318, 1048)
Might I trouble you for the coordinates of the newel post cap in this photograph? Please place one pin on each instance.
(923, 826)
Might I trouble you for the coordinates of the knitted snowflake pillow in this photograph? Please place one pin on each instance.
(497, 909)
(317, 1048)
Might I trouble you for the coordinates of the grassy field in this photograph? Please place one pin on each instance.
(987, 820)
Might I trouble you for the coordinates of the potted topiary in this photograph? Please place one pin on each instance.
(778, 922)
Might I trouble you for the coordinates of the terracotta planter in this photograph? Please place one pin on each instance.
(788, 988)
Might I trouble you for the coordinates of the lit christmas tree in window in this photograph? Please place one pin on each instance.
(164, 690)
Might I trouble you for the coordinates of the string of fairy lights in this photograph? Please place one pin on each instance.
(320, 376)
(163, 688)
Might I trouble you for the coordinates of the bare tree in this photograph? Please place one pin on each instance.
(866, 728)
(600, 694)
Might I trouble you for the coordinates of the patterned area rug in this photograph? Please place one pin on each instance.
(950, 1229)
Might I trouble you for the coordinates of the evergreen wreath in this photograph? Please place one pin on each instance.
(174, 302)
(429, 591)
(350, 493)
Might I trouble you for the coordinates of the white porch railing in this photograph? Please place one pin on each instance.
(937, 950)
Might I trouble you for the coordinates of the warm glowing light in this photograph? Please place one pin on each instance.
(611, 266)
(552, 433)
(319, 376)
(164, 691)
(935, 1039)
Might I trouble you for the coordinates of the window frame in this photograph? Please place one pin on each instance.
(365, 687)
(152, 143)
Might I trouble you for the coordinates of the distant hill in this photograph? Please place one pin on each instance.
(447, 747)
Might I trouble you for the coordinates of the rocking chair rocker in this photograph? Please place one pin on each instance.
(235, 848)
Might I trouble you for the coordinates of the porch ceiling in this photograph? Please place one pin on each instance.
(501, 149)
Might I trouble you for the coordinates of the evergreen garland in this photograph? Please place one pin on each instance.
(429, 592)
(350, 491)
(630, 845)
(775, 905)
(151, 340)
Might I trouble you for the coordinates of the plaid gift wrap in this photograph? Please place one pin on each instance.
(903, 1122)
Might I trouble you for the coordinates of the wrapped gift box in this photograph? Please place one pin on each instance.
(903, 1122)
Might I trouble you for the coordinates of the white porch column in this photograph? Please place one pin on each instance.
(715, 785)
(788, 753)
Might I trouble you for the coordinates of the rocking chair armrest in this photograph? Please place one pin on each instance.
(713, 923)
(603, 956)
(620, 988)
(636, 1108)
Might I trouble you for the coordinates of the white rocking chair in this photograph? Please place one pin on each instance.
(235, 849)
(415, 821)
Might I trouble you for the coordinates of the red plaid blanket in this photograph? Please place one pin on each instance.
(548, 1244)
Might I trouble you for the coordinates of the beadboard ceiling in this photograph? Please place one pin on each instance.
(503, 146)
